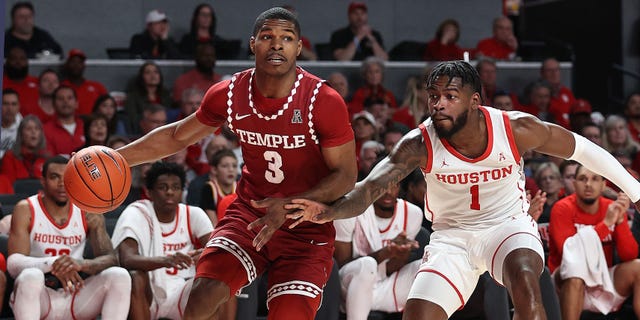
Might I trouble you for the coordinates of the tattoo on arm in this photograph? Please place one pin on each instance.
(387, 174)
(101, 244)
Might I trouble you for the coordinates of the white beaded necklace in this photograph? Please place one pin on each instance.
(285, 106)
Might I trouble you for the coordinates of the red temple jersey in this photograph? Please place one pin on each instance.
(281, 139)
(566, 217)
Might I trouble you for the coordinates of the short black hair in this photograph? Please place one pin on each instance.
(565, 164)
(276, 13)
(9, 91)
(20, 5)
(457, 69)
(55, 159)
(368, 102)
(159, 168)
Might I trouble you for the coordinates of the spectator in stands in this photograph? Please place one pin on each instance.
(96, 130)
(10, 120)
(65, 132)
(16, 76)
(367, 157)
(117, 141)
(548, 178)
(444, 46)
(202, 76)
(180, 158)
(414, 105)
(106, 105)
(53, 278)
(502, 100)
(307, 52)
(579, 114)
(202, 30)
(488, 72)
(217, 143)
(391, 136)
(616, 136)
(25, 159)
(161, 262)
(373, 74)
(339, 82)
(86, 90)
(537, 101)
(568, 172)
(586, 228)
(147, 89)
(373, 250)
(364, 128)
(154, 42)
(24, 34)
(153, 116)
(502, 45)
(382, 113)
(593, 132)
(223, 173)
(561, 97)
(632, 113)
(47, 83)
(358, 40)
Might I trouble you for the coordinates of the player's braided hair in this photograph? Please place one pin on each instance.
(276, 13)
(456, 69)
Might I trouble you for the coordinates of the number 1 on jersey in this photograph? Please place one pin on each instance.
(475, 197)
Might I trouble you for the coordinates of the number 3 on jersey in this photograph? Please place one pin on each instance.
(475, 197)
(273, 173)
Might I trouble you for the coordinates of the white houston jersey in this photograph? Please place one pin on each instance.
(474, 193)
(48, 239)
(181, 236)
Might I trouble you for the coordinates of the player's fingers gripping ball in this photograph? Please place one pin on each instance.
(97, 179)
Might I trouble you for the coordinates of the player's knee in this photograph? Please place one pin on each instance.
(117, 278)
(522, 265)
(367, 269)
(573, 284)
(30, 279)
(293, 307)
(208, 291)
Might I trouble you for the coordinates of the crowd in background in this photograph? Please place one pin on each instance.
(58, 112)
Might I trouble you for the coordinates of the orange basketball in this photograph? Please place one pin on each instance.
(97, 179)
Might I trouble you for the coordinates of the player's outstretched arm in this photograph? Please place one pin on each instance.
(406, 156)
(533, 134)
(165, 141)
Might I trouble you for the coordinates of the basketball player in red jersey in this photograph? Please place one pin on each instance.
(296, 142)
(477, 201)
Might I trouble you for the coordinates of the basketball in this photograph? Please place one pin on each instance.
(97, 179)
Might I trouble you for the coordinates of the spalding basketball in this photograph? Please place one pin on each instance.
(97, 179)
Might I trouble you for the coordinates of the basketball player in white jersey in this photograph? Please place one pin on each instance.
(159, 240)
(46, 244)
(372, 251)
(470, 156)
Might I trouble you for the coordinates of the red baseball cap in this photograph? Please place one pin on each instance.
(357, 5)
(76, 53)
(580, 106)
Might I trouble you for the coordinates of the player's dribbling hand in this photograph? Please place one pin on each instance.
(308, 210)
(270, 222)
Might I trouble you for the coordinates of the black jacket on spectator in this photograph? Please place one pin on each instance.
(342, 37)
(40, 40)
(141, 46)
